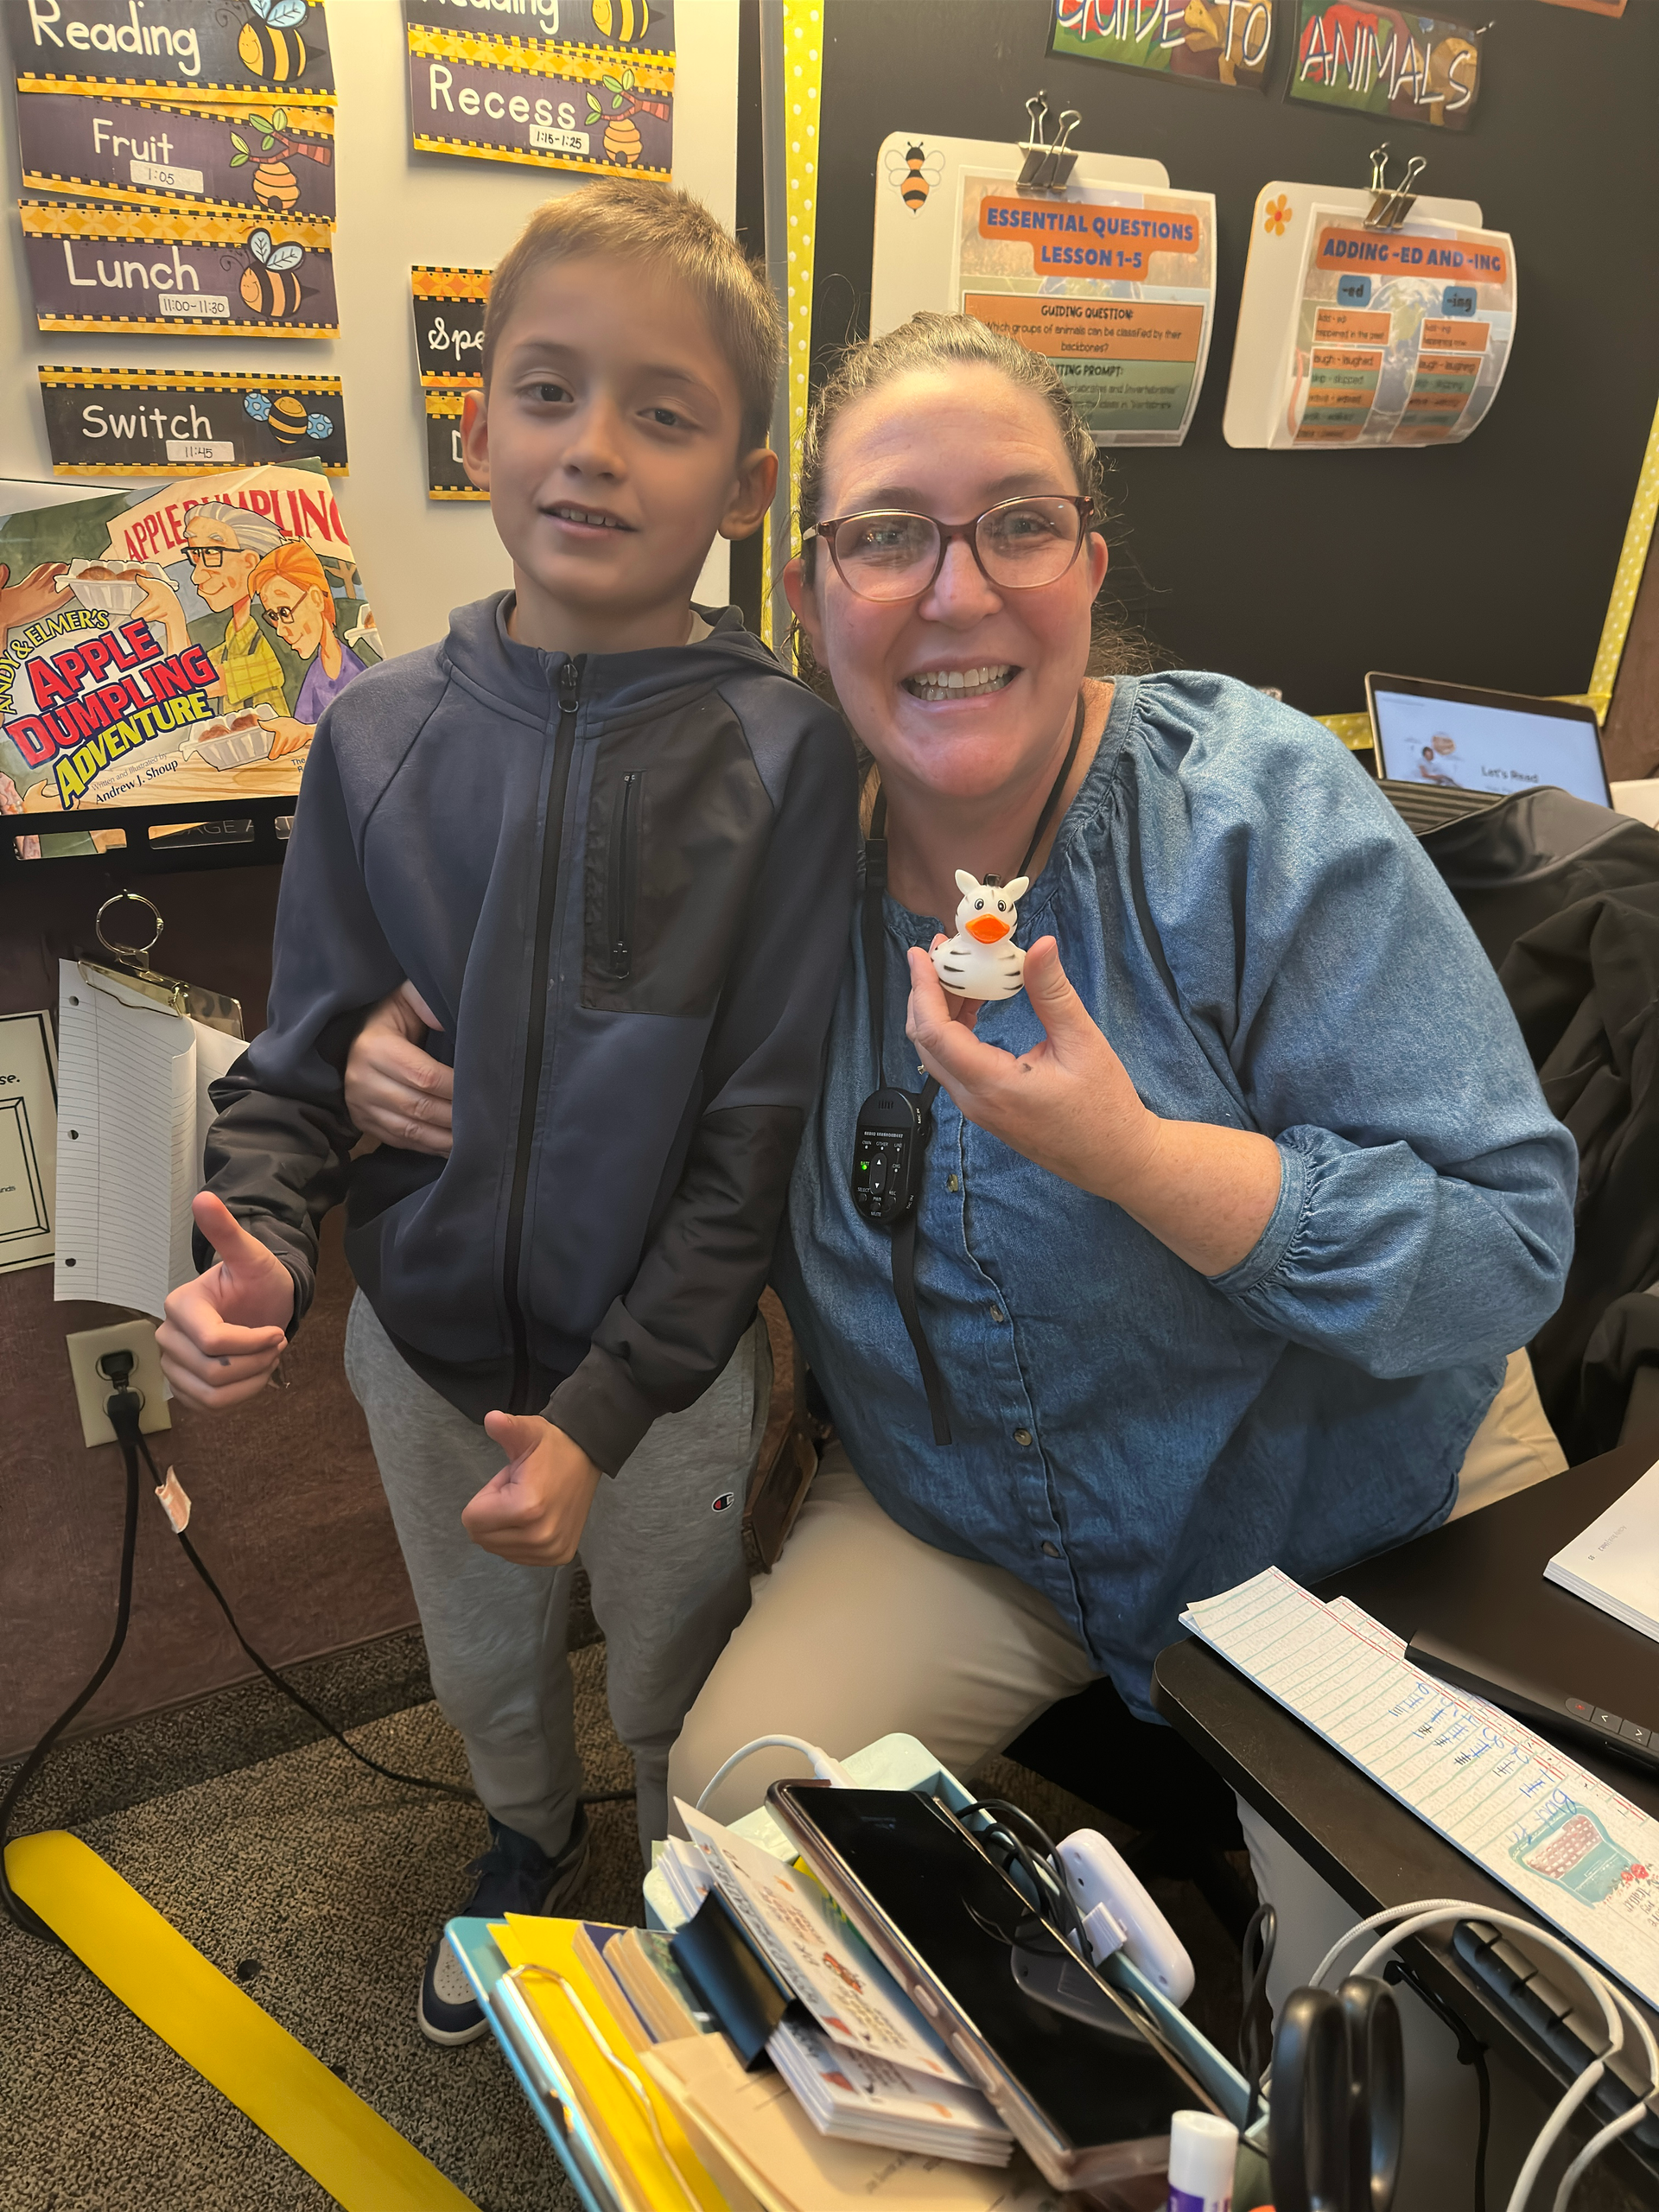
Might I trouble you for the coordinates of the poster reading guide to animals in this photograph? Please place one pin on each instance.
(557, 83)
(1396, 62)
(1115, 287)
(178, 165)
(1196, 41)
(1402, 336)
(170, 645)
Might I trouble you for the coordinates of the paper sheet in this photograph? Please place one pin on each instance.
(133, 1116)
(1578, 1852)
(29, 1141)
(1614, 1563)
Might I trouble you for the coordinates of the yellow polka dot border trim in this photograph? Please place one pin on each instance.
(1627, 577)
(803, 74)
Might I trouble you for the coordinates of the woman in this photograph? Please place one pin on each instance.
(294, 598)
(1227, 1222)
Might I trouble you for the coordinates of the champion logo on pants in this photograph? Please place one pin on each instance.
(725, 1502)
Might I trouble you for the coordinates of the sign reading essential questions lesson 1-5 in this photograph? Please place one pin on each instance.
(1396, 62)
(1195, 41)
(1115, 287)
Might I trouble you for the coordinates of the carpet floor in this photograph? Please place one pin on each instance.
(320, 1887)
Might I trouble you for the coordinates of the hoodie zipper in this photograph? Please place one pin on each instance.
(624, 845)
(535, 1025)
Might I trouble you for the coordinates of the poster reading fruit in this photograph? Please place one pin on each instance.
(512, 95)
(265, 159)
(173, 645)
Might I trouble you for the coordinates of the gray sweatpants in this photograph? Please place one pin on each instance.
(663, 1547)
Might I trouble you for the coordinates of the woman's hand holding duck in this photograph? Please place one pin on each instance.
(1207, 1193)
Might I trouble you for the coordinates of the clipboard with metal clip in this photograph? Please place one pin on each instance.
(190, 1001)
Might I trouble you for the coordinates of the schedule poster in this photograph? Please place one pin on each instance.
(449, 307)
(257, 49)
(181, 422)
(1394, 63)
(1194, 42)
(263, 161)
(192, 271)
(486, 97)
(171, 645)
(1116, 286)
(1402, 336)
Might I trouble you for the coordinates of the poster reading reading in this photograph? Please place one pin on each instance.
(168, 646)
(1115, 287)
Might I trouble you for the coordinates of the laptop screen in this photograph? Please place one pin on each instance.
(1489, 741)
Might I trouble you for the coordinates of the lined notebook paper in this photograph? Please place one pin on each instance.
(133, 1115)
(1579, 1853)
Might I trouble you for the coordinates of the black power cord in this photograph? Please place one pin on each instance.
(123, 1406)
(1469, 2053)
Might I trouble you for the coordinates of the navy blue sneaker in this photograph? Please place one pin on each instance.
(514, 1875)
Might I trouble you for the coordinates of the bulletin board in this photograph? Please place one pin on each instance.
(397, 209)
(1488, 563)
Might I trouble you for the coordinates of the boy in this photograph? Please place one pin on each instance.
(609, 843)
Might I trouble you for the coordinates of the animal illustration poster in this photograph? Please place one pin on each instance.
(1116, 286)
(116, 49)
(1402, 337)
(179, 422)
(485, 97)
(263, 160)
(170, 645)
(186, 270)
(1194, 42)
(1394, 63)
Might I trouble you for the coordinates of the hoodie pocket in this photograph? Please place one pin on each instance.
(622, 875)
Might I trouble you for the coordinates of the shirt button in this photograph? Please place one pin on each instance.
(1051, 1551)
(1022, 1436)
(997, 1314)
(953, 1182)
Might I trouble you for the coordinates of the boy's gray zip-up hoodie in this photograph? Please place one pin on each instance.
(623, 884)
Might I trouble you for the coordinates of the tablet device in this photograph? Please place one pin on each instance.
(1498, 742)
(1091, 2106)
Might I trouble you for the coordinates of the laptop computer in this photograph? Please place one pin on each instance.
(1449, 737)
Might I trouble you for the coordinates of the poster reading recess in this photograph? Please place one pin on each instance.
(1402, 337)
(171, 645)
(1115, 287)
(484, 92)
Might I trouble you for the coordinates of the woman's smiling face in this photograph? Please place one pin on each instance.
(950, 442)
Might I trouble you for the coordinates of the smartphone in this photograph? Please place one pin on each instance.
(1090, 2104)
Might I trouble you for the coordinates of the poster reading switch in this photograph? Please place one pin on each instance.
(1498, 742)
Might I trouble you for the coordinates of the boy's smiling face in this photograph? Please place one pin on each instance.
(610, 443)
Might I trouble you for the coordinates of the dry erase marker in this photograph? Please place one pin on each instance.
(1203, 2150)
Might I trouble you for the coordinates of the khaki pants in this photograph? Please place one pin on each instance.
(862, 1630)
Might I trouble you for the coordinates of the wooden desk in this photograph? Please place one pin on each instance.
(1479, 1583)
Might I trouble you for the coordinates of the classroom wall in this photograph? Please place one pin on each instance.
(289, 1512)
(1489, 563)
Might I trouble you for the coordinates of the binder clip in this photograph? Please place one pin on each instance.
(213, 1009)
(1391, 205)
(1045, 168)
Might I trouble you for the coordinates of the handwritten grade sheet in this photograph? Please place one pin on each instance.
(1579, 1853)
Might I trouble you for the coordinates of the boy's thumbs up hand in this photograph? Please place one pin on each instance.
(535, 1509)
(224, 1333)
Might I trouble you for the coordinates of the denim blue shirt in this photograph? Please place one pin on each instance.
(1267, 948)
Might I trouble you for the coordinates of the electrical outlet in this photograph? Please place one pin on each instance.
(87, 1347)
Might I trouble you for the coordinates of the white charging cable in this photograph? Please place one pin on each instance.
(1402, 1921)
(822, 1765)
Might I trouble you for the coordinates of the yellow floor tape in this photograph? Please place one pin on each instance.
(365, 2165)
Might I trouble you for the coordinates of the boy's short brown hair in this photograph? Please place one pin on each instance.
(625, 218)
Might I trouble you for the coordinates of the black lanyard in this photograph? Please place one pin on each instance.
(893, 1125)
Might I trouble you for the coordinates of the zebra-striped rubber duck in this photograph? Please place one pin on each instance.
(983, 961)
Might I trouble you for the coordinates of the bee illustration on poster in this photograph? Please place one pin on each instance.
(115, 47)
(266, 161)
(190, 656)
(913, 172)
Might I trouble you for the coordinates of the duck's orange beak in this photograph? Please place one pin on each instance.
(987, 929)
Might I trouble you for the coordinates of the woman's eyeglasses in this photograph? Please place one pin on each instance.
(1019, 544)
